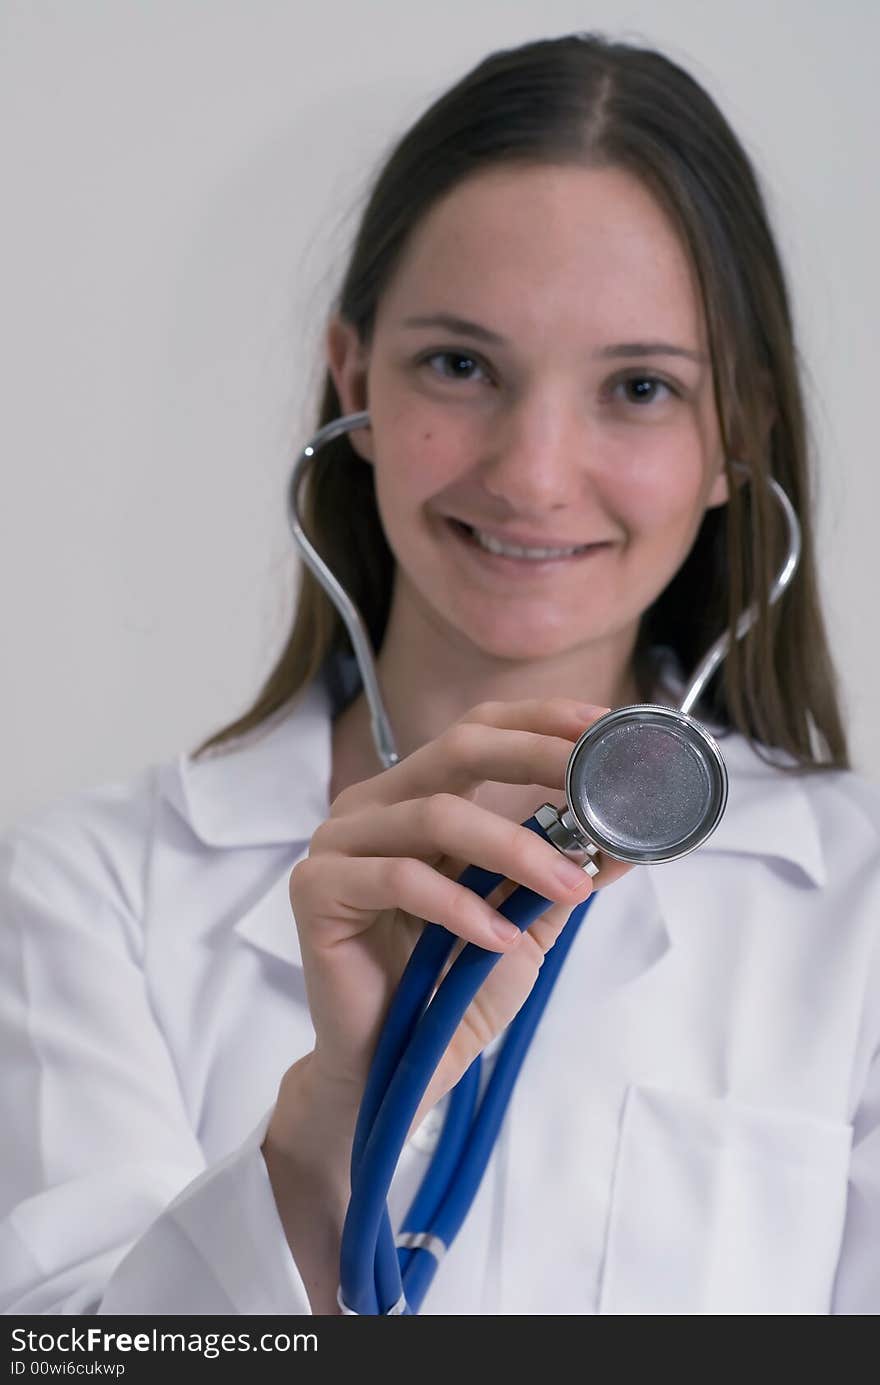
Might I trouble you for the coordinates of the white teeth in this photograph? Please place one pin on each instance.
(513, 550)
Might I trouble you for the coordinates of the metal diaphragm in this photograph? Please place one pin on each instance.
(646, 783)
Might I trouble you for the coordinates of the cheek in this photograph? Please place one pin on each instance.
(657, 474)
(661, 496)
(416, 463)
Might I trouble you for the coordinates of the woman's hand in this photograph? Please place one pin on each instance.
(386, 861)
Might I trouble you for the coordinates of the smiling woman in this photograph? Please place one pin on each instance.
(568, 321)
(565, 338)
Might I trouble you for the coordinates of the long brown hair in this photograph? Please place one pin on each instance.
(582, 99)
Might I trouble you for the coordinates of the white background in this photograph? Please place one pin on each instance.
(180, 182)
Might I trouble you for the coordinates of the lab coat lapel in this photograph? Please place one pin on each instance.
(270, 924)
(768, 816)
(270, 789)
(268, 793)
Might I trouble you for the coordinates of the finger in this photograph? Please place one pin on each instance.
(546, 929)
(530, 714)
(334, 898)
(445, 824)
(610, 870)
(531, 747)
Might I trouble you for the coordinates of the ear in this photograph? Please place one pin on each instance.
(348, 363)
(720, 492)
(733, 471)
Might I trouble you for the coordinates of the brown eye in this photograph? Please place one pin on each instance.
(644, 389)
(461, 363)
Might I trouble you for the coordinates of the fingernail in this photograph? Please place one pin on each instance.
(506, 930)
(570, 875)
(589, 711)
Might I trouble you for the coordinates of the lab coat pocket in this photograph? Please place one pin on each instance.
(723, 1207)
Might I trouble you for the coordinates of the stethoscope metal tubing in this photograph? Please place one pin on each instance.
(713, 657)
(383, 736)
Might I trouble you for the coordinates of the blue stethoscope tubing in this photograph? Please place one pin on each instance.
(413, 1041)
(426, 1212)
(463, 1184)
(412, 996)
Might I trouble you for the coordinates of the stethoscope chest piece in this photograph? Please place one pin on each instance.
(644, 784)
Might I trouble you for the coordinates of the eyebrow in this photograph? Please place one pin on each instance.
(462, 326)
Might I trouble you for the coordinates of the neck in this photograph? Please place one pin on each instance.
(427, 686)
(430, 675)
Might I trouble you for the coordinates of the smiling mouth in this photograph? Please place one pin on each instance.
(516, 554)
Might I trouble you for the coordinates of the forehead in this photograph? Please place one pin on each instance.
(546, 245)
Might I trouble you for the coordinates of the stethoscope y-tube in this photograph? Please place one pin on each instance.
(644, 784)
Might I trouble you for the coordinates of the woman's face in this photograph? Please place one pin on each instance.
(538, 377)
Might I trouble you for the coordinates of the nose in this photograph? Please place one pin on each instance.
(537, 457)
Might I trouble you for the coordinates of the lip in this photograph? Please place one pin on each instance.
(523, 540)
(520, 567)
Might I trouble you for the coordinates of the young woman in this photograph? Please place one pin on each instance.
(566, 317)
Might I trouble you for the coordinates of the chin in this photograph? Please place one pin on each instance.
(523, 645)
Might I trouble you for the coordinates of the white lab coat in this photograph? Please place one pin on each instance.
(696, 1128)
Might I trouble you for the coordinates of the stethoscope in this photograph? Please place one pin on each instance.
(643, 784)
